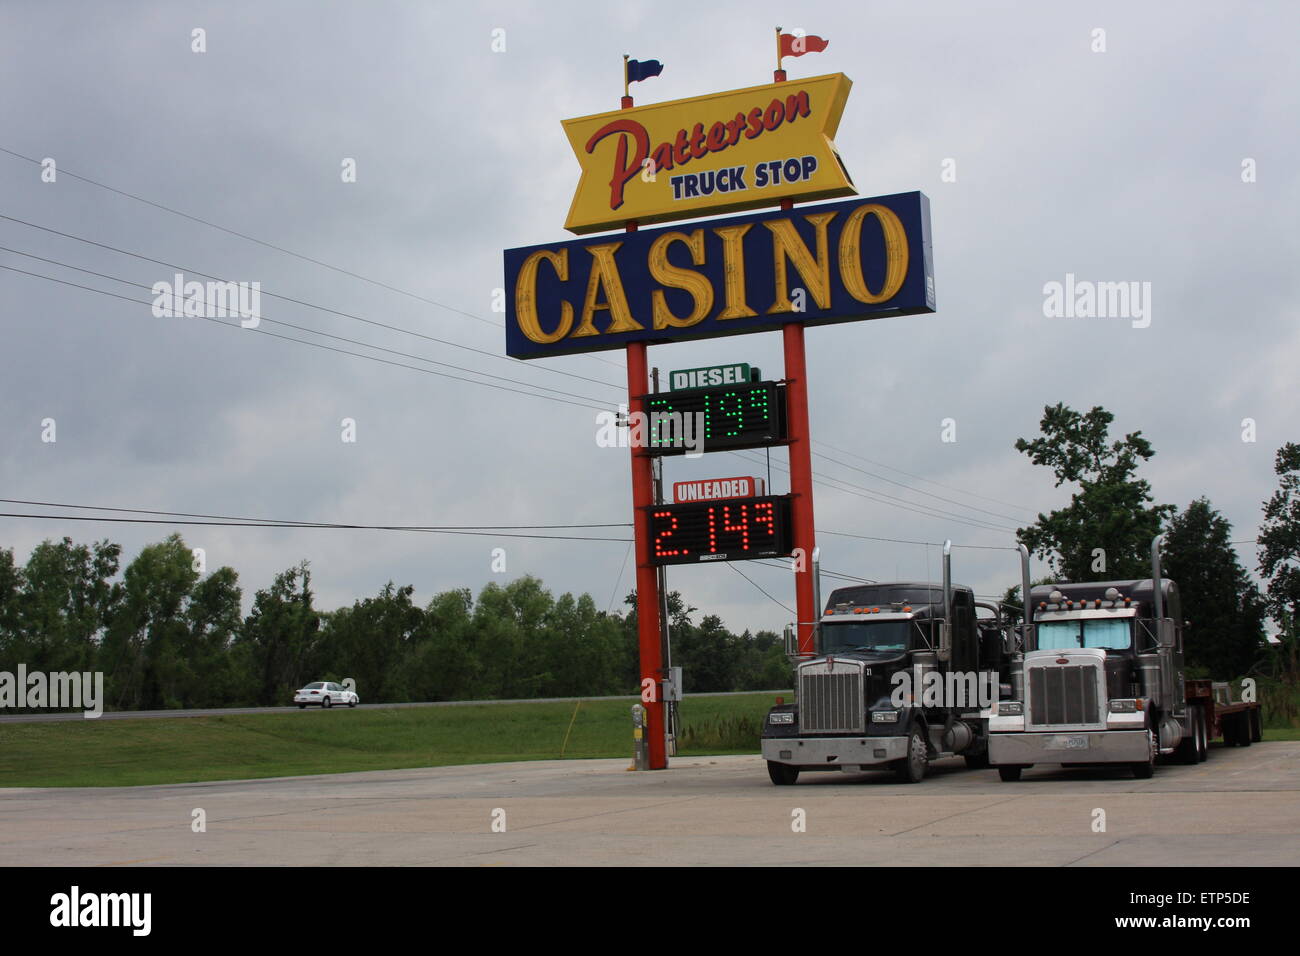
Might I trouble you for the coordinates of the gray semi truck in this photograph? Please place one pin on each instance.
(1101, 681)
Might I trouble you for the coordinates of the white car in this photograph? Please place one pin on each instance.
(325, 693)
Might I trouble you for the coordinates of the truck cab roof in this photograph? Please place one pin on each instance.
(917, 595)
(1141, 595)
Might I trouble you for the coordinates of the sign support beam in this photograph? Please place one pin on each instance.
(801, 484)
(801, 480)
(647, 577)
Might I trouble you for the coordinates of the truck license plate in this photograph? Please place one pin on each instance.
(1068, 742)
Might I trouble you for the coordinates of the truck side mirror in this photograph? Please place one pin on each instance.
(791, 641)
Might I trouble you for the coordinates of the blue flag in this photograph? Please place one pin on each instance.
(638, 70)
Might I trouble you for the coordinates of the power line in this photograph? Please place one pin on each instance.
(270, 245)
(870, 495)
(303, 328)
(937, 484)
(372, 358)
(266, 524)
(918, 491)
(619, 579)
(285, 522)
(764, 593)
(64, 171)
(276, 295)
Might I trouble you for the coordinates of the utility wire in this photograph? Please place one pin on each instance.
(269, 245)
(285, 298)
(265, 524)
(764, 593)
(285, 522)
(937, 484)
(372, 358)
(870, 495)
(951, 501)
(303, 328)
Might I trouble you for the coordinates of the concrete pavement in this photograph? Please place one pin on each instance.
(1241, 807)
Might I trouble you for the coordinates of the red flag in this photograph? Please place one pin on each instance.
(792, 45)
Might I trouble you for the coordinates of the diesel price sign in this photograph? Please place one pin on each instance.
(713, 419)
(731, 530)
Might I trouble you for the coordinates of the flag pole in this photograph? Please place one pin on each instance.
(627, 95)
(779, 75)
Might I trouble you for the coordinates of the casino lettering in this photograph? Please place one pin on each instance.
(583, 287)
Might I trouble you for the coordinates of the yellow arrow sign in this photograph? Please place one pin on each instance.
(709, 154)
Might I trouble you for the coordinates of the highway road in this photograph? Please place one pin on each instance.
(48, 717)
(1240, 807)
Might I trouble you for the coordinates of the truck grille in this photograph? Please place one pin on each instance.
(830, 698)
(1063, 695)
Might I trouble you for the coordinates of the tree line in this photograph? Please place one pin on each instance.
(167, 636)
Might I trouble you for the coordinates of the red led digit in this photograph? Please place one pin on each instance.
(659, 551)
(713, 531)
(763, 513)
(743, 527)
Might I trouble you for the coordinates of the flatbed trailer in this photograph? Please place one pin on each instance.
(1238, 723)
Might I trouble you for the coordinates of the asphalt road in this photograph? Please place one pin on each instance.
(1240, 807)
(226, 711)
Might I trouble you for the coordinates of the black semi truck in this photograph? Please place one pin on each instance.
(903, 674)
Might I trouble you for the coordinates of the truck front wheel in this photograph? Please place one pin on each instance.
(911, 769)
(782, 774)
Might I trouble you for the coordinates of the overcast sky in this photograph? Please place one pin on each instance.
(1122, 165)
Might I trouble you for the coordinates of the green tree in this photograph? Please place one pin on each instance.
(214, 618)
(443, 663)
(1219, 598)
(1105, 532)
(11, 587)
(370, 642)
(280, 635)
(66, 601)
(1279, 556)
(147, 652)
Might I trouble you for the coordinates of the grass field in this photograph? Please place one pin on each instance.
(112, 753)
(109, 753)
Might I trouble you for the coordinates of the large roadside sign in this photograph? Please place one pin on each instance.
(812, 265)
(724, 152)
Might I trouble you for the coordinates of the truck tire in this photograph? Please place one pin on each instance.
(1009, 774)
(1244, 731)
(1189, 750)
(1228, 727)
(782, 774)
(911, 769)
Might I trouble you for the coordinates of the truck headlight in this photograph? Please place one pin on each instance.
(1011, 708)
(783, 718)
(1123, 706)
(884, 717)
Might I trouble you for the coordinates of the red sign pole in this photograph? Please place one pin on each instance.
(647, 577)
(801, 484)
(647, 580)
(801, 479)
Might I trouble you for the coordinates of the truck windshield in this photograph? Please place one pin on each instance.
(1062, 635)
(876, 636)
